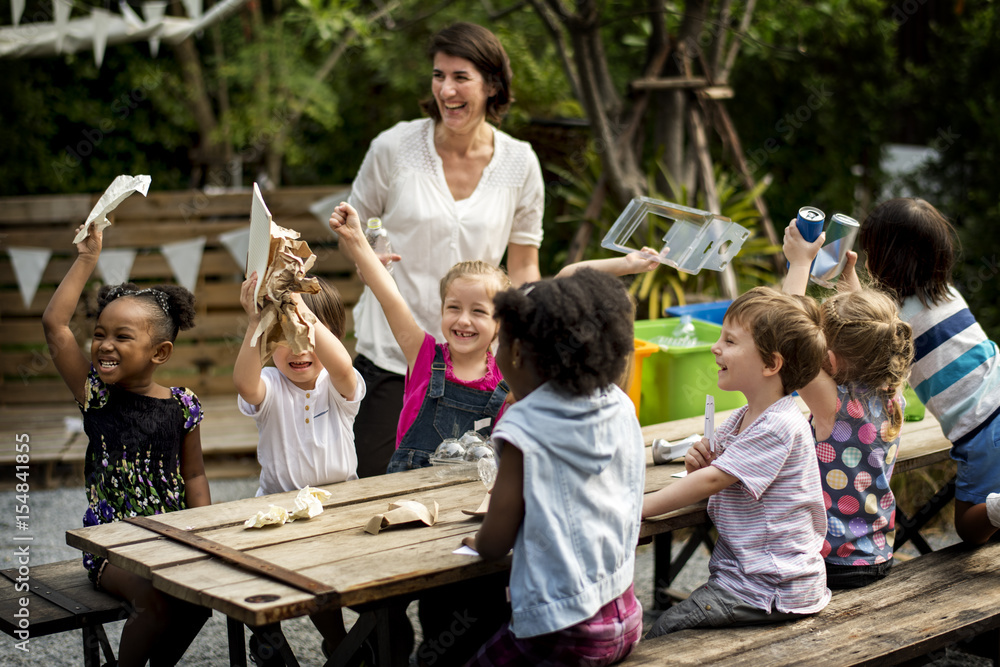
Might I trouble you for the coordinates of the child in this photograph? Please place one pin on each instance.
(305, 405)
(857, 413)
(569, 490)
(450, 388)
(304, 408)
(762, 481)
(144, 450)
(956, 368)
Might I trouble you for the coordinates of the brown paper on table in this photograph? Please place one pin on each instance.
(289, 260)
(404, 511)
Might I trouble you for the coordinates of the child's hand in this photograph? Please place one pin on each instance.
(849, 277)
(92, 243)
(248, 296)
(797, 250)
(699, 456)
(640, 262)
(346, 224)
(469, 541)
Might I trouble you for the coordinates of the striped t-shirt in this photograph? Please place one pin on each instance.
(956, 370)
(772, 521)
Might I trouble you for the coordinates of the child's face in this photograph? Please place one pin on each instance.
(467, 316)
(301, 369)
(122, 347)
(740, 365)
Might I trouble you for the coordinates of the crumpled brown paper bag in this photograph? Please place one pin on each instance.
(404, 511)
(289, 260)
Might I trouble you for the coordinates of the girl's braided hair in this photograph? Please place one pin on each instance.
(576, 332)
(170, 307)
(874, 348)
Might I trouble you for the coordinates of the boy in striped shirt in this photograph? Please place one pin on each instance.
(956, 368)
(759, 474)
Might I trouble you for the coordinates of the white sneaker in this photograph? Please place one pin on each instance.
(993, 508)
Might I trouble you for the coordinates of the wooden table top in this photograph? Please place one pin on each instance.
(333, 548)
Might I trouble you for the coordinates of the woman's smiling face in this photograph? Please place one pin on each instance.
(461, 93)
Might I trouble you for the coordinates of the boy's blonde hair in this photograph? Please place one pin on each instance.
(473, 269)
(874, 348)
(783, 325)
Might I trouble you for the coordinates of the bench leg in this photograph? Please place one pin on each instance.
(94, 640)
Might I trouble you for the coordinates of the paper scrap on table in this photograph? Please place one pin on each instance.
(119, 190)
(308, 503)
(404, 511)
(465, 551)
(682, 473)
(286, 262)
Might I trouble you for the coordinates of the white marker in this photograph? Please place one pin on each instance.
(710, 421)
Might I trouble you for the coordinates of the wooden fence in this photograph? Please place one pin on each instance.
(203, 357)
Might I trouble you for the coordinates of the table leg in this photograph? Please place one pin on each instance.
(237, 650)
(352, 642)
(908, 528)
(666, 569)
(272, 636)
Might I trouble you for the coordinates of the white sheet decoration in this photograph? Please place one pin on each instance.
(100, 17)
(16, 9)
(237, 242)
(60, 11)
(184, 258)
(115, 265)
(29, 265)
(153, 12)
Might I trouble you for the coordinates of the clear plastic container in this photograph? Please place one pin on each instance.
(378, 239)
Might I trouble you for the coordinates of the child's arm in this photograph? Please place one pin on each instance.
(506, 512)
(71, 363)
(697, 486)
(800, 255)
(634, 262)
(334, 356)
(345, 223)
(196, 491)
(246, 372)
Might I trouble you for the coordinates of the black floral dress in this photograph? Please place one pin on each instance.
(133, 465)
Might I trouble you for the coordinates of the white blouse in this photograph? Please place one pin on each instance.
(402, 181)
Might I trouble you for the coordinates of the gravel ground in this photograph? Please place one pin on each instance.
(55, 511)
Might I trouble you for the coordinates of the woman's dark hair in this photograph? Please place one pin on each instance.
(576, 332)
(910, 248)
(482, 48)
(170, 307)
(328, 307)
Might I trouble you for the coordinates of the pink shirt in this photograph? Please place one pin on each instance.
(772, 521)
(419, 380)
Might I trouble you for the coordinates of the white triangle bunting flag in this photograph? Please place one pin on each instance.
(99, 18)
(29, 265)
(16, 9)
(237, 242)
(61, 10)
(184, 259)
(115, 265)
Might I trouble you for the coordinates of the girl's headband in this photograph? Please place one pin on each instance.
(160, 296)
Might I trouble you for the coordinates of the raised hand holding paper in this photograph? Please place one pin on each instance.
(119, 190)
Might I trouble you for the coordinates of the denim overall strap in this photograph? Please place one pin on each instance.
(449, 409)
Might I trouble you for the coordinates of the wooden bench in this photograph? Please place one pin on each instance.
(60, 598)
(924, 605)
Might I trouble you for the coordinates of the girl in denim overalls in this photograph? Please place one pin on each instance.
(450, 388)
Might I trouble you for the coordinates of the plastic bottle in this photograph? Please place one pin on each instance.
(378, 239)
(684, 333)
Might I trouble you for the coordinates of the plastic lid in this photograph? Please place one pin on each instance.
(374, 223)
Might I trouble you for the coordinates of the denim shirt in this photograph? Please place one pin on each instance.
(584, 476)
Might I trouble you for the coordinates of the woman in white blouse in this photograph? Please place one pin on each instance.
(448, 188)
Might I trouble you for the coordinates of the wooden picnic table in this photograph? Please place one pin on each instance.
(349, 566)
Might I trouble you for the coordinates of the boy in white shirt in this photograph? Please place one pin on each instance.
(304, 408)
(762, 480)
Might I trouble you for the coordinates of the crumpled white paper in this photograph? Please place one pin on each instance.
(119, 190)
(308, 503)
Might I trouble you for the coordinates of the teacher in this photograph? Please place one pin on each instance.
(448, 188)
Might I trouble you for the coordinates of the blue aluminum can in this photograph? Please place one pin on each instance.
(810, 222)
